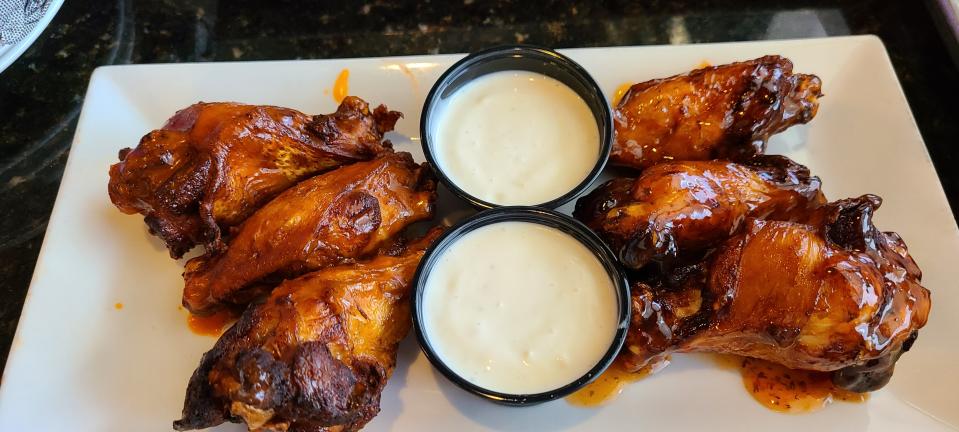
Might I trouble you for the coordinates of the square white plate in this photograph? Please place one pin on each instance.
(80, 364)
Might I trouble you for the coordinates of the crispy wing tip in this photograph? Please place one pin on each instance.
(200, 408)
(788, 174)
(848, 222)
(353, 118)
(385, 119)
(803, 101)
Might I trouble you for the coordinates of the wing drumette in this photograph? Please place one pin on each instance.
(683, 208)
(830, 294)
(314, 356)
(214, 164)
(720, 112)
(326, 220)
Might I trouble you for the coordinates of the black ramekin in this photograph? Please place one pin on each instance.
(525, 58)
(548, 218)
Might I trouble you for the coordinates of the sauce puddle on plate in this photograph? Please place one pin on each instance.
(610, 384)
(774, 386)
(211, 325)
(793, 391)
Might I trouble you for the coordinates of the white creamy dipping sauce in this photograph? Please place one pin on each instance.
(516, 138)
(519, 308)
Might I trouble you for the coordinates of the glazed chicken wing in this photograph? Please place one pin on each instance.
(682, 208)
(314, 356)
(213, 164)
(720, 112)
(343, 214)
(831, 294)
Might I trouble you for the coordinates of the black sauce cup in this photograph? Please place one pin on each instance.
(518, 58)
(544, 217)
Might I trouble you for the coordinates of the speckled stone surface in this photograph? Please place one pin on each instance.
(41, 93)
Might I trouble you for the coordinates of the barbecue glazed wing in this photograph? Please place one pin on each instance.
(832, 294)
(314, 356)
(213, 164)
(682, 208)
(720, 112)
(343, 214)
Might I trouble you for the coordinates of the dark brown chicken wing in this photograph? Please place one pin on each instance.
(314, 356)
(831, 294)
(683, 208)
(720, 112)
(343, 214)
(213, 164)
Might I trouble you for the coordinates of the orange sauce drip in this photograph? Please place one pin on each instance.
(704, 64)
(211, 325)
(118, 306)
(409, 74)
(341, 87)
(792, 391)
(610, 384)
(620, 92)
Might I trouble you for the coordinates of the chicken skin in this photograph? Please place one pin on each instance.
(831, 294)
(326, 220)
(679, 209)
(213, 164)
(314, 356)
(720, 112)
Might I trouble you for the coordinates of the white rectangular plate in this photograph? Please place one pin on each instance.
(80, 364)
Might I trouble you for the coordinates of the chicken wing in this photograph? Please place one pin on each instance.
(683, 208)
(314, 356)
(831, 294)
(341, 215)
(720, 112)
(213, 164)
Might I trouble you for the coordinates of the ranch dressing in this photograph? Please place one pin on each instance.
(516, 138)
(519, 308)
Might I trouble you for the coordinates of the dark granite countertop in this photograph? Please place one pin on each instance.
(41, 93)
